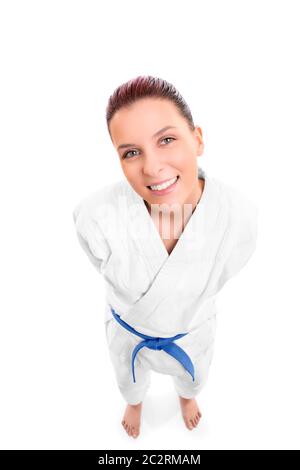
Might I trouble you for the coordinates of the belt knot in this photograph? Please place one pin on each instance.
(157, 343)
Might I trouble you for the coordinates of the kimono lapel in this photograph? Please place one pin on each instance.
(152, 245)
(198, 243)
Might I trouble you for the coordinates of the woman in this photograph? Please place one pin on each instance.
(162, 282)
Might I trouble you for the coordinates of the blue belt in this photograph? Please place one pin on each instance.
(151, 342)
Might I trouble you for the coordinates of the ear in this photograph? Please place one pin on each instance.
(199, 140)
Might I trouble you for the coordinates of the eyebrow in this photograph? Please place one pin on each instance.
(122, 146)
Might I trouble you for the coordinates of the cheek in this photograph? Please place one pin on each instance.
(187, 174)
(136, 182)
(181, 156)
(129, 172)
(176, 161)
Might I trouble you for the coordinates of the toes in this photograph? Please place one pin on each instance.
(188, 424)
(131, 430)
(197, 417)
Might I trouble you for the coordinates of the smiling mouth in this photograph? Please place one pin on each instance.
(162, 185)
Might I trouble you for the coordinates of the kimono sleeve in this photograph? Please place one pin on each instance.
(244, 241)
(91, 237)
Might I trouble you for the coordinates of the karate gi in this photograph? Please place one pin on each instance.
(161, 295)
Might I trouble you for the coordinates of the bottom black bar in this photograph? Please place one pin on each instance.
(133, 458)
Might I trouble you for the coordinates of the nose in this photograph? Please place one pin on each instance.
(152, 165)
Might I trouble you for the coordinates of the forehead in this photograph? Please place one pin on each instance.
(143, 118)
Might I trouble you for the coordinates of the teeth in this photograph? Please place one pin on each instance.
(164, 185)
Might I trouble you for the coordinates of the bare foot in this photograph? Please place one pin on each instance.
(132, 419)
(190, 412)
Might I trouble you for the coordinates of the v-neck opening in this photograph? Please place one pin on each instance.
(158, 244)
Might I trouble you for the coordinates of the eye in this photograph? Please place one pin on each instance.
(130, 151)
(165, 138)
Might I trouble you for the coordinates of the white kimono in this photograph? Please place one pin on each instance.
(158, 294)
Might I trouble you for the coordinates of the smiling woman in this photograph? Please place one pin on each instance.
(161, 284)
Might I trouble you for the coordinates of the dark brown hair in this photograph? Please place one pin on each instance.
(146, 86)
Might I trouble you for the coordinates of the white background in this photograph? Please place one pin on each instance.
(237, 65)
